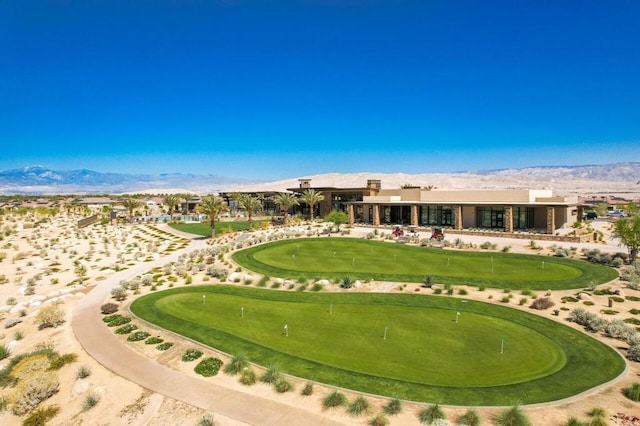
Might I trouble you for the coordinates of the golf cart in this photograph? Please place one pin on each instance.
(437, 234)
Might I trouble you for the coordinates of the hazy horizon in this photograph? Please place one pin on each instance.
(266, 92)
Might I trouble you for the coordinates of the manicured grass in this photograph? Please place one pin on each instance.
(338, 339)
(205, 230)
(333, 258)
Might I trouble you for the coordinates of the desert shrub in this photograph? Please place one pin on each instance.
(12, 322)
(633, 353)
(31, 390)
(617, 299)
(118, 320)
(618, 329)
(430, 414)
(393, 407)
(136, 336)
(208, 367)
(575, 422)
(469, 418)
(307, 390)
(164, 346)
(50, 316)
(347, 282)
(248, 376)
(316, 287)
(119, 293)
(109, 308)
(206, 420)
(237, 364)
(4, 352)
(271, 375)
(632, 392)
(126, 329)
(191, 355)
(334, 399)
(512, 417)
(282, 385)
(569, 299)
(598, 417)
(378, 420)
(562, 252)
(359, 406)
(18, 335)
(90, 401)
(83, 372)
(428, 281)
(59, 361)
(153, 340)
(541, 303)
(40, 416)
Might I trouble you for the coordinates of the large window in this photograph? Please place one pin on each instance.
(437, 215)
(490, 217)
(339, 200)
(522, 218)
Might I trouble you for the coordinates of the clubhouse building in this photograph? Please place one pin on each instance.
(502, 210)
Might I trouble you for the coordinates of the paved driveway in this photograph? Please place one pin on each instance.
(103, 345)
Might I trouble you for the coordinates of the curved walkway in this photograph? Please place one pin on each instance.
(104, 346)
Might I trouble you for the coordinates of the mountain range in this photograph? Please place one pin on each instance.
(610, 179)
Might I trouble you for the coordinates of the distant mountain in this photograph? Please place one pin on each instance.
(610, 179)
(39, 180)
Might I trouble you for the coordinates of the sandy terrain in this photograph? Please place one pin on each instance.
(49, 261)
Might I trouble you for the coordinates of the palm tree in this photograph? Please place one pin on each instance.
(131, 204)
(285, 200)
(249, 204)
(213, 207)
(171, 201)
(311, 197)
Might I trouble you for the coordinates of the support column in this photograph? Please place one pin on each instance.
(376, 215)
(551, 220)
(580, 213)
(458, 217)
(352, 216)
(508, 219)
(414, 215)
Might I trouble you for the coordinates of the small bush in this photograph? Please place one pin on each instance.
(191, 355)
(379, 420)
(153, 340)
(206, 420)
(430, 414)
(347, 282)
(393, 407)
(271, 375)
(164, 346)
(358, 406)
(126, 329)
(59, 361)
(41, 416)
(307, 390)
(512, 417)
(50, 316)
(632, 392)
(334, 399)
(237, 364)
(248, 376)
(208, 367)
(32, 390)
(282, 385)
(136, 336)
(469, 418)
(83, 372)
(90, 401)
(117, 320)
(12, 322)
(109, 308)
(4, 352)
(542, 303)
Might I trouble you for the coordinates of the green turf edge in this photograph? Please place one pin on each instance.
(589, 362)
(590, 273)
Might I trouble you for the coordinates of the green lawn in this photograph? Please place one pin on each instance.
(205, 230)
(339, 339)
(333, 258)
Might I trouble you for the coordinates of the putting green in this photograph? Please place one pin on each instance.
(415, 347)
(333, 258)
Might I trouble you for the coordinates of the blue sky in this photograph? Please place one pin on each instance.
(278, 89)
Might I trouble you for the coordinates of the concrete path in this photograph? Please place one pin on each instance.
(104, 346)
